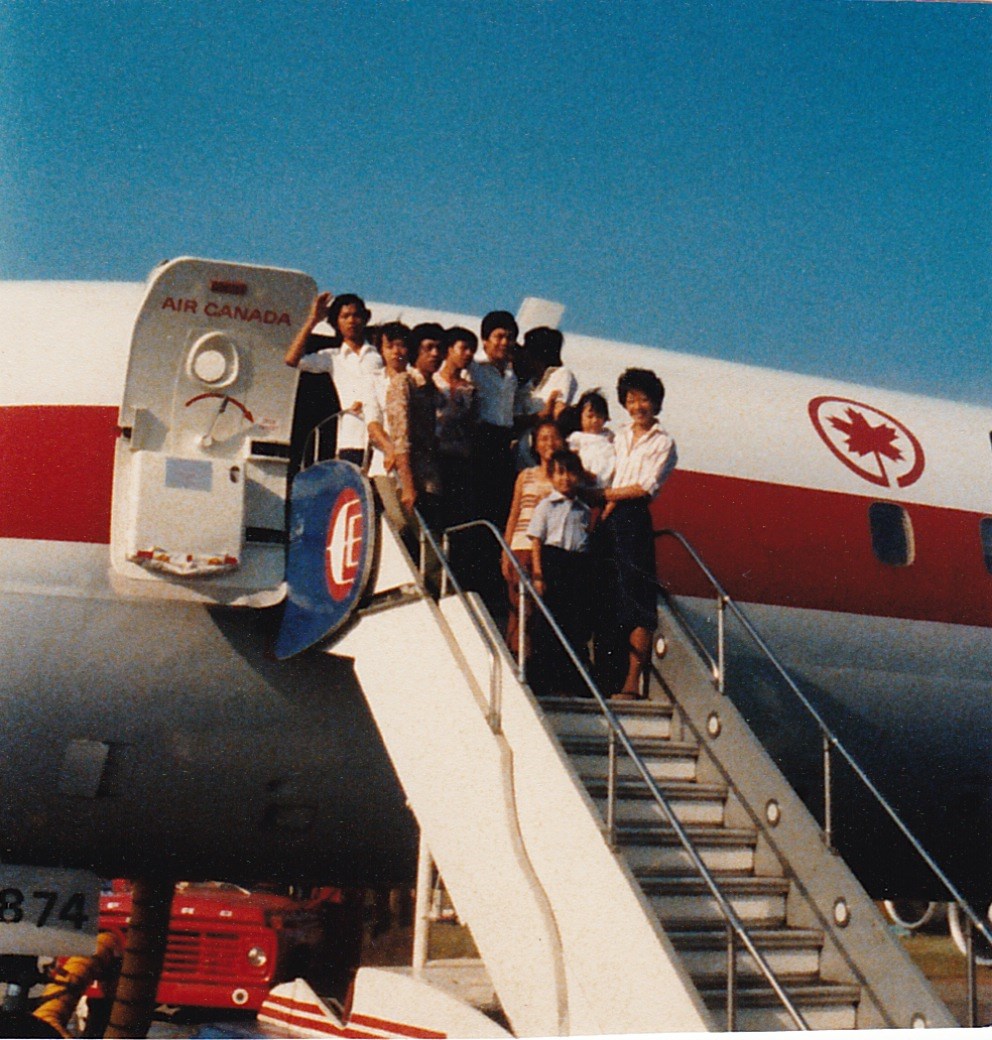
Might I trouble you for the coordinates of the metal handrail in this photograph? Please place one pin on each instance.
(830, 739)
(314, 436)
(618, 733)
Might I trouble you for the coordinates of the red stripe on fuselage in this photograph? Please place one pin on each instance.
(767, 543)
(800, 547)
(56, 472)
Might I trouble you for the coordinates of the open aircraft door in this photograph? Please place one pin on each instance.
(199, 508)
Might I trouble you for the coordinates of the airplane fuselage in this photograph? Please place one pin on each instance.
(852, 524)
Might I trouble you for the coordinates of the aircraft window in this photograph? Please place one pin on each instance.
(985, 525)
(891, 534)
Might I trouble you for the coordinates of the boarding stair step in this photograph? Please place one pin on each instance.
(824, 1005)
(687, 902)
(691, 802)
(665, 759)
(788, 951)
(655, 849)
(573, 716)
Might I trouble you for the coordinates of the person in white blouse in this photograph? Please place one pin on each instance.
(646, 456)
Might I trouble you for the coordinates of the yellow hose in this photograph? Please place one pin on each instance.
(144, 953)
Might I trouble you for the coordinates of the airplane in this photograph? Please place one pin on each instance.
(151, 729)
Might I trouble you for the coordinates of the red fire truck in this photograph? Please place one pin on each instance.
(228, 945)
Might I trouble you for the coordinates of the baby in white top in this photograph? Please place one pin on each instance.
(593, 443)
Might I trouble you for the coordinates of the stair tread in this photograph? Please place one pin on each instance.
(597, 743)
(734, 884)
(634, 787)
(587, 706)
(800, 990)
(663, 834)
(715, 937)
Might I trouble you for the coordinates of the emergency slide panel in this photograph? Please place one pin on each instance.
(203, 450)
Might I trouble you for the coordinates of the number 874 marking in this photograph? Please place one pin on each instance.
(73, 909)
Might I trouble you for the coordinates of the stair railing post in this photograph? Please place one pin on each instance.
(731, 980)
(422, 907)
(446, 552)
(521, 629)
(969, 945)
(828, 822)
(721, 649)
(611, 788)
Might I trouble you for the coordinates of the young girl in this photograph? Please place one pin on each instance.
(592, 442)
(532, 485)
(645, 457)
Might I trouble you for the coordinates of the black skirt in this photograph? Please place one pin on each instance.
(627, 568)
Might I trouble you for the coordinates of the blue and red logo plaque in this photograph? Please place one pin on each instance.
(331, 543)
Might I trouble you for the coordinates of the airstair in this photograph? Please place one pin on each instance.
(641, 867)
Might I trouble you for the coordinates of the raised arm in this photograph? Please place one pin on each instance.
(316, 314)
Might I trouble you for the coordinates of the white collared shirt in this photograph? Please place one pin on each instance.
(350, 370)
(646, 463)
(495, 392)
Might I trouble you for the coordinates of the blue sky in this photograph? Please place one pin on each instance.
(803, 184)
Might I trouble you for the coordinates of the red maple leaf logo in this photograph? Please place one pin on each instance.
(865, 439)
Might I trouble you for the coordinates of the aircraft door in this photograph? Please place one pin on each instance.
(202, 455)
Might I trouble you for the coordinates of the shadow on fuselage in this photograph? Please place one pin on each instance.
(163, 737)
(934, 775)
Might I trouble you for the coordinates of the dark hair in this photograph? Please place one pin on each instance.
(596, 401)
(540, 426)
(458, 335)
(499, 320)
(339, 303)
(545, 344)
(419, 333)
(570, 462)
(646, 381)
(391, 330)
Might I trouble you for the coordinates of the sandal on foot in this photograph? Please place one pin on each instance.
(629, 695)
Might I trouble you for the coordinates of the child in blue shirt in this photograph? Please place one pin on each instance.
(559, 534)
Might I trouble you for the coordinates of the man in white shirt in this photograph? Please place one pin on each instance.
(493, 471)
(496, 390)
(350, 365)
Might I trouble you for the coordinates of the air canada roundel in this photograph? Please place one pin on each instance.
(331, 543)
(870, 442)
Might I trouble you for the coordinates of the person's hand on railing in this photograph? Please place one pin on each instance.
(507, 570)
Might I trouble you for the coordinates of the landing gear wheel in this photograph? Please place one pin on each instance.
(911, 914)
(956, 920)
